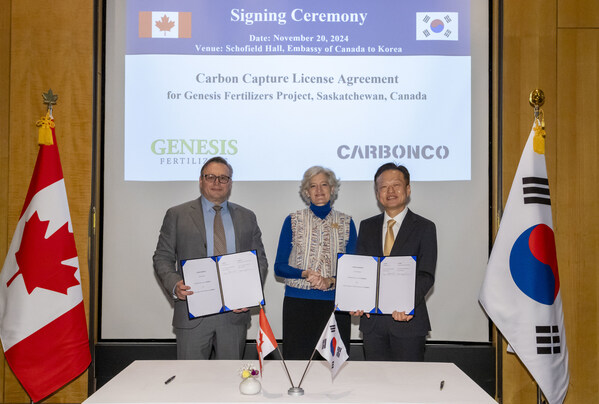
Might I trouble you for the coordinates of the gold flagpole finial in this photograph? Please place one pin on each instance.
(536, 100)
(46, 123)
(50, 99)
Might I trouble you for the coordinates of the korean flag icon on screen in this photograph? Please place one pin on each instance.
(437, 26)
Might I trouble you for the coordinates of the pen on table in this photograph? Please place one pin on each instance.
(440, 385)
(170, 379)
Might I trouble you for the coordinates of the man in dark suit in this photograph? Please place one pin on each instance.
(398, 232)
(188, 231)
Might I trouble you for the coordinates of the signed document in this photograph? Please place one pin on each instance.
(356, 282)
(222, 283)
(376, 285)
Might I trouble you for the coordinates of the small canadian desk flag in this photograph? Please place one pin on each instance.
(42, 317)
(266, 341)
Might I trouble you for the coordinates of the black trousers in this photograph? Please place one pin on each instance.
(303, 323)
(384, 342)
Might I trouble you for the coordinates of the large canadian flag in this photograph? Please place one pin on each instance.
(42, 317)
(521, 291)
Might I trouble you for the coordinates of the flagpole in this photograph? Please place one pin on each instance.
(286, 370)
(298, 391)
(536, 99)
(308, 365)
(306, 370)
(285, 366)
(539, 395)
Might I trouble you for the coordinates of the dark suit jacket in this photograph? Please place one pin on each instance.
(417, 237)
(183, 236)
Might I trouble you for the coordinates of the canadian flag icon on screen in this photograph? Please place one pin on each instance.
(164, 24)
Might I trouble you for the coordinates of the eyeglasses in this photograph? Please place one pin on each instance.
(222, 179)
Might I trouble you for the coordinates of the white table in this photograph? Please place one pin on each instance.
(356, 382)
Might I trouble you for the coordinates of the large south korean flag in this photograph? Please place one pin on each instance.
(521, 290)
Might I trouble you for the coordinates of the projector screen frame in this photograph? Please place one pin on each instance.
(290, 208)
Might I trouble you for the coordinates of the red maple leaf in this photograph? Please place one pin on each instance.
(40, 259)
(165, 24)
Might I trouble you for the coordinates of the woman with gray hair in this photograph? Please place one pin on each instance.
(307, 258)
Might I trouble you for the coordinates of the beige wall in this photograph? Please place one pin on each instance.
(45, 45)
(552, 45)
(4, 116)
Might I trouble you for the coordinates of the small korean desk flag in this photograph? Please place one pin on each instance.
(331, 347)
(266, 341)
(521, 290)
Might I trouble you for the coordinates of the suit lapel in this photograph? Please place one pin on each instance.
(378, 234)
(236, 224)
(197, 216)
(404, 232)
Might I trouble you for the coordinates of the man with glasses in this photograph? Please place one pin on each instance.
(204, 227)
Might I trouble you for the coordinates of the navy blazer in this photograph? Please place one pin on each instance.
(417, 237)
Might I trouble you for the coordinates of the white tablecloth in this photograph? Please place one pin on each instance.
(356, 382)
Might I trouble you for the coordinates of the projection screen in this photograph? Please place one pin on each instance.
(276, 87)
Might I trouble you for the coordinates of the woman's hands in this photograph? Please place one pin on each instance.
(317, 281)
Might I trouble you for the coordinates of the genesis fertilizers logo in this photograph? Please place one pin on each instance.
(194, 147)
(533, 264)
(191, 151)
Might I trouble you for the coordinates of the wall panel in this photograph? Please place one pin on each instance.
(528, 63)
(562, 60)
(51, 46)
(4, 128)
(578, 13)
(577, 204)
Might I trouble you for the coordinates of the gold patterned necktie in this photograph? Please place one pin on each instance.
(389, 238)
(220, 241)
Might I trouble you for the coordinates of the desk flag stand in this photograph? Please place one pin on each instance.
(294, 390)
(298, 391)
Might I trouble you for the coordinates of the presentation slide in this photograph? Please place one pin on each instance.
(276, 87)
(350, 83)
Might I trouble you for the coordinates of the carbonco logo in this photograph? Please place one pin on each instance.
(194, 147)
(383, 151)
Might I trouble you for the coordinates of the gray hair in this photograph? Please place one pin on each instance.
(310, 173)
